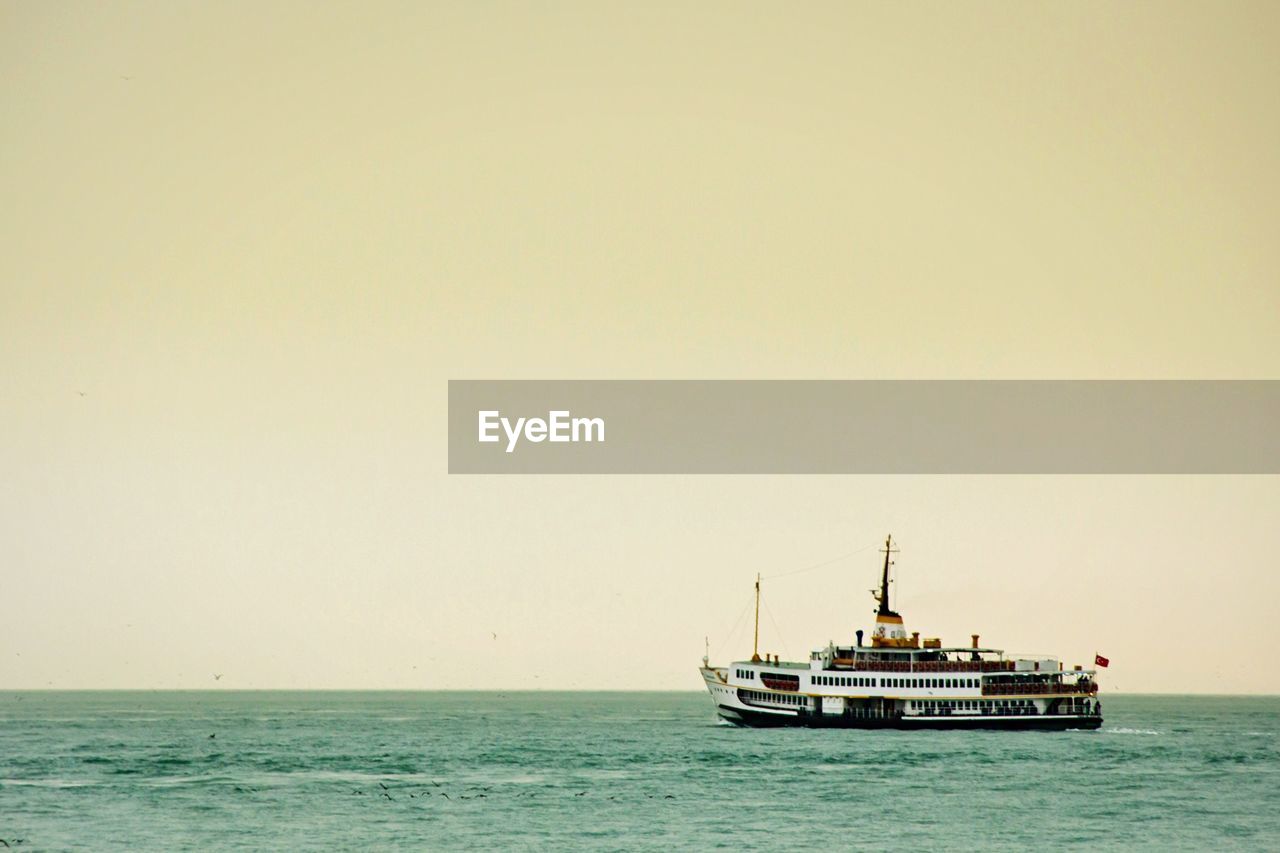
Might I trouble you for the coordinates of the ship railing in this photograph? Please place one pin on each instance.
(924, 666)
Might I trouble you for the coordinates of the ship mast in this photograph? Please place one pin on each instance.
(755, 644)
(883, 597)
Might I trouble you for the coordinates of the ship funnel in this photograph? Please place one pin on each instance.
(859, 633)
(975, 640)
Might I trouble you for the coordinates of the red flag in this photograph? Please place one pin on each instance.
(1099, 660)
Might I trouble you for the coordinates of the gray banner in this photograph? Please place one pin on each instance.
(863, 427)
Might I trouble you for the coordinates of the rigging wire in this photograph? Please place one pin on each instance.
(786, 649)
(820, 565)
(733, 632)
(737, 623)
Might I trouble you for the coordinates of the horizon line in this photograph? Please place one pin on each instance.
(619, 690)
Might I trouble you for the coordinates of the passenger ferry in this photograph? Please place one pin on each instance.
(904, 682)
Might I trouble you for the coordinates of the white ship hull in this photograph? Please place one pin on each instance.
(757, 708)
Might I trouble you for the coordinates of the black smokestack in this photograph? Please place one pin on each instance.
(859, 633)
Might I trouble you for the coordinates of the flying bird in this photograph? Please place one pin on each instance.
(495, 635)
(217, 676)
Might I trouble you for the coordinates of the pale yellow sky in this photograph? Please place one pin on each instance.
(259, 238)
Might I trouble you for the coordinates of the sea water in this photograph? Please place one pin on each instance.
(266, 770)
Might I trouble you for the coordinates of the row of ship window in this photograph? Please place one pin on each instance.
(932, 706)
(967, 704)
(859, 681)
(775, 698)
(744, 673)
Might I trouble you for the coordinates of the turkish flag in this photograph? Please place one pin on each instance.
(1099, 660)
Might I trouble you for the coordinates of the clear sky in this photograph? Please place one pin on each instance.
(244, 245)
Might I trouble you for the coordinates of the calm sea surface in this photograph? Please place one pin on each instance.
(169, 771)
